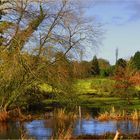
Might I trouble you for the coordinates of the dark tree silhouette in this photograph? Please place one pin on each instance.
(136, 61)
(95, 70)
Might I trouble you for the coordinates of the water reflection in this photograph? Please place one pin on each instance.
(45, 129)
(9, 131)
(3, 128)
(97, 127)
(38, 130)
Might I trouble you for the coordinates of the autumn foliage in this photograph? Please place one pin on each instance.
(135, 79)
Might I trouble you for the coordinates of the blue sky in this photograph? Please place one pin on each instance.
(121, 21)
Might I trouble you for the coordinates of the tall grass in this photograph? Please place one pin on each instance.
(64, 121)
(114, 114)
(135, 115)
(63, 115)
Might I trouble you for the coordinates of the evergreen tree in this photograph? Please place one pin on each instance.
(95, 70)
(121, 63)
(120, 67)
(136, 61)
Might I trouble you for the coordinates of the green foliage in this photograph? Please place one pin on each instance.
(135, 61)
(105, 72)
(104, 67)
(95, 70)
(31, 99)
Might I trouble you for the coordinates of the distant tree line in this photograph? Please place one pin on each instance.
(102, 67)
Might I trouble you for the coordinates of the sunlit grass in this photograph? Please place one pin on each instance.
(138, 88)
(84, 86)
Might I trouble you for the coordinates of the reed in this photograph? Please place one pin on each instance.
(87, 116)
(65, 135)
(103, 116)
(135, 115)
(63, 115)
(118, 115)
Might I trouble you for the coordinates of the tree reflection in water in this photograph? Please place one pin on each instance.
(4, 128)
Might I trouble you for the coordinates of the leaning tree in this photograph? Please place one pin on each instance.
(33, 32)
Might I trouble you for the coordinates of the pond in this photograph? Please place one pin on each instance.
(44, 129)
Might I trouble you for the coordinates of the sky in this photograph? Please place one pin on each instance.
(120, 20)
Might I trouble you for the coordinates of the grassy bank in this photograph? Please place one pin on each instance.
(94, 93)
(105, 103)
(99, 93)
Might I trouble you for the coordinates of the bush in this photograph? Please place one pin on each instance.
(104, 72)
(32, 99)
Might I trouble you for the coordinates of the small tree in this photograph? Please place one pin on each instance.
(95, 70)
(122, 76)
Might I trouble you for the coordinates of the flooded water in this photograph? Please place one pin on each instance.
(44, 129)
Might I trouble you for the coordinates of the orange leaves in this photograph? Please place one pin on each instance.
(135, 79)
